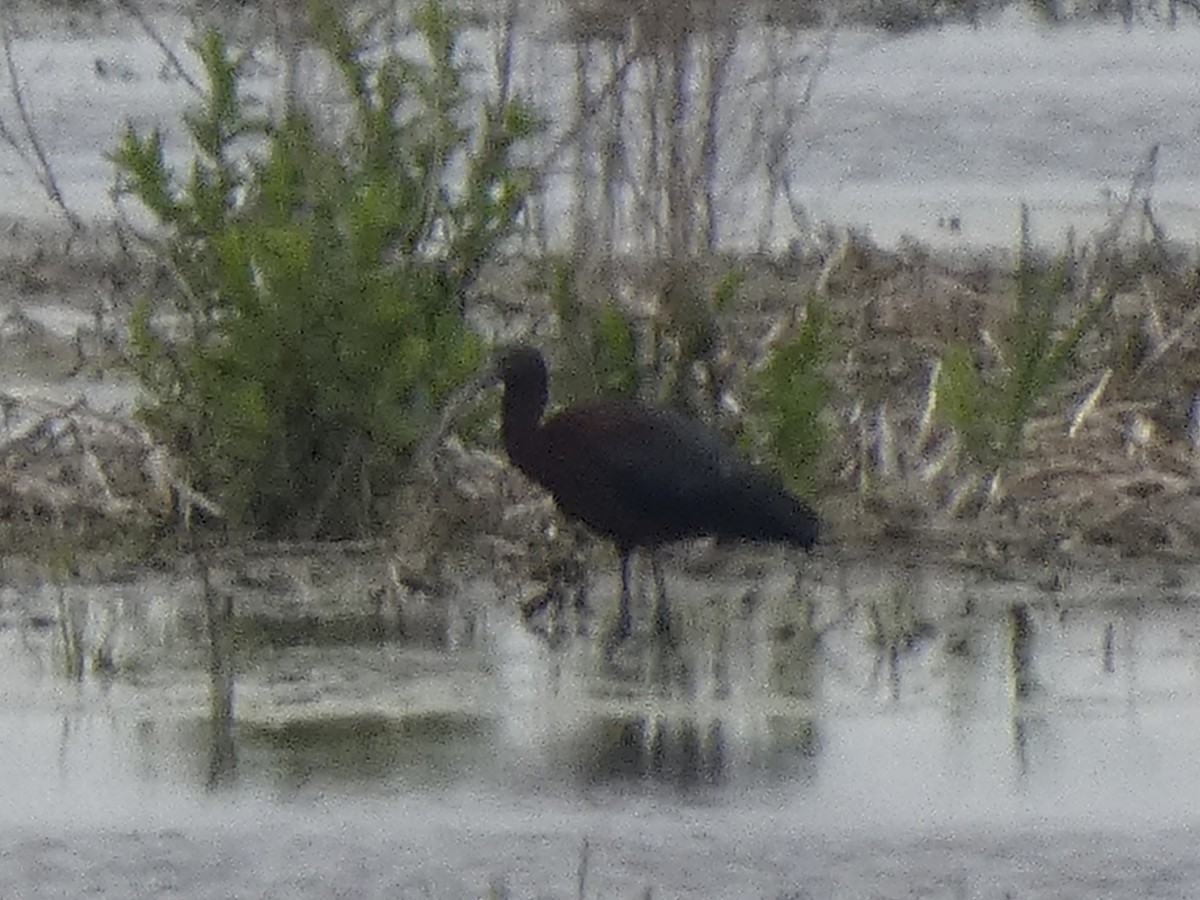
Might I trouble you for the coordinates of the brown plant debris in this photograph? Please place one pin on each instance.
(69, 463)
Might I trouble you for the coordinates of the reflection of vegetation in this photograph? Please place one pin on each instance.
(72, 623)
(897, 624)
(370, 748)
(219, 628)
(793, 743)
(795, 650)
(682, 751)
(1020, 651)
(419, 627)
(321, 284)
(84, 645)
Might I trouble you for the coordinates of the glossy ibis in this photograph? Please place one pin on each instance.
(639, 475)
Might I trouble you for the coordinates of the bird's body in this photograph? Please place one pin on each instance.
(641, 476)
(644, 477)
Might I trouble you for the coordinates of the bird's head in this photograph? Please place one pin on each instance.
(522, 369)
(519, 367)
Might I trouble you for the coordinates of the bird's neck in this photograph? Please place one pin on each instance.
(519, 427)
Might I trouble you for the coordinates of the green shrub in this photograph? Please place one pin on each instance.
(604, 351)
(789, 396)
(320, 279)
(598, 347)
(989, 411)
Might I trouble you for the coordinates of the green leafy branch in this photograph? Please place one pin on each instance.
(320, 278)
(990, 412)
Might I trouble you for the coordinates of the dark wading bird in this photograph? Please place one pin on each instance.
(640, 476)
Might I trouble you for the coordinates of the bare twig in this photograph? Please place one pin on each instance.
(590, 106)
(42, 169)
(1167, 344)
(925, 429)
(93, 471)
(173, 60)
(581, 872)
(1089, 404)
(777, 162)
(706, 172)
(505, 52)
(1139, 191)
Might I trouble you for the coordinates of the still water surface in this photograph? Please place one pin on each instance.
(863, 732)
(901, 136)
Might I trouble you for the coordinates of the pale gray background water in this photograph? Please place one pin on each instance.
(903, 132)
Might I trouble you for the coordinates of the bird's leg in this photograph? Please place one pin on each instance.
(669, 668)
(624, 616)
(623, 627)
(662, 611)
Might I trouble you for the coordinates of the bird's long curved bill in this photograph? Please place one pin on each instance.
(426, 450)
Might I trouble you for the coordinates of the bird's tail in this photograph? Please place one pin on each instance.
(796, 522)
(767, 512)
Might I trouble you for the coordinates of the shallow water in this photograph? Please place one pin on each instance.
(944, 736)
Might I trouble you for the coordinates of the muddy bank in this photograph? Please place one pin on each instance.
(1116, 480)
